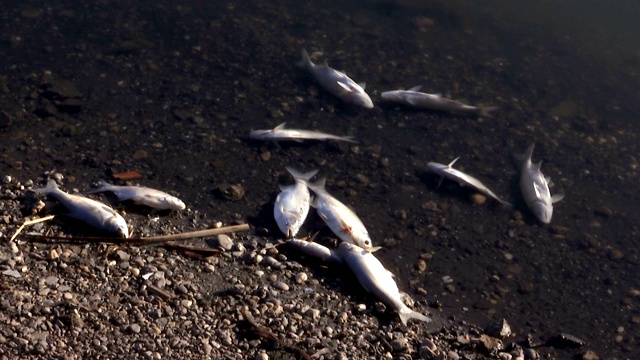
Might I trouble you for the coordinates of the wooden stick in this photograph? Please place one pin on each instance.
(29, 223)
(149, 240)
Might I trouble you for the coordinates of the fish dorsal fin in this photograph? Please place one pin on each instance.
(325, 64)
(453, 162)
(557, 197)
(344, 86)
(373, 249)
(416, 88)
(280, 127)
(363, 85)
(537, 165)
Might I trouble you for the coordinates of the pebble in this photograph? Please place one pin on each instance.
(280, 286)
(12, 273)
(301, 278)
(590, 355)
(261, 356)
(400, 344)
(224, 242)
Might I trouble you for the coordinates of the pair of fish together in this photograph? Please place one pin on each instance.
(533, 184)
(356, 249)
(347, 90)
(103, 217)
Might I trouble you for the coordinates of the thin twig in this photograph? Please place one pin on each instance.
(149, 240)
(29, 223)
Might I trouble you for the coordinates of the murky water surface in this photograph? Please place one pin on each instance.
(172, 90)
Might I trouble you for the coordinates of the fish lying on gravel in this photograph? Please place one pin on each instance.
(142, 196)
(336, 82)
(279, 133)
(377, 280)
(292, 204)
(422, 100)
(447, 171)
(535, 188)
(92, 212)
(339, 217)
(316, 250)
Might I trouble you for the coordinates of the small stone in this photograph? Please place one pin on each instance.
(280, 286)
(261, 356)
(530, 354)
(224, 242)
(265, 156)
(12, 273)
(209, 268)
(135, 328)
(301, 277)
(400, 344)
(123, 255)
(478, 199)
(139, 155)
(616, 254)
(500, 329)
(421, 265)
(590, 355)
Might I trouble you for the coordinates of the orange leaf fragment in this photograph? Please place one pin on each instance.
(128, 175)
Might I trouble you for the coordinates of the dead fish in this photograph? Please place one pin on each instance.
(142, 196)
(422, 100)
(535, 188)
(336, 82)
(92, 212)
(339, 217)
(377, 280)
(279, 133)
(316, 250)
(292, 204)
(447, 171)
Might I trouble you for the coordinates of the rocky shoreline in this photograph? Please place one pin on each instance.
(253, 301)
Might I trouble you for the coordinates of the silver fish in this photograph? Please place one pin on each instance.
(142, 196)
(377, 280)
(279, 133)
(336, 82)
(292, 204)
(339, 217)
(422, 100)
(92, 212)
(535, 188)
(316, 250)
(447, 171)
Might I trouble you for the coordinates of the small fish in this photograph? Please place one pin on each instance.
(377, 280)
(339, 217)
(447, 171)
(422, 100)
(292, 204)
(535, 188)
(142, 196)
(279, 133)
(316, 250)
(92, 212)
(336, 82)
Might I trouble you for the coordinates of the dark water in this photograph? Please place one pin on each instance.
(172, 90)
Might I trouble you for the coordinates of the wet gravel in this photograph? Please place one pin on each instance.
(91, 89)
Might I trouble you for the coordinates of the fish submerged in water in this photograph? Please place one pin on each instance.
(336, 82)
(142, 196)
(535, 188)
(279, 133)
(339, 217)
(447, 171)
(377, 280)
(92, 212)
(422, 100)
(292, 204)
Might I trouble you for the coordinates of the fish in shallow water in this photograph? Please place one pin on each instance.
(422, 100)
(535, 188)
(339, 217)
(292, 204)
(279, 133)
(336, 82)
(447, 171)
(91, 212)
(142, 196)
(377, 280)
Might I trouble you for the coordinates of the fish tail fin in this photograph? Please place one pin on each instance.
(305, 63)
(52, 186)
(317, 186)
(527, 154)
(349, 138)
(408, 315)
(300, 175)
(487, 110)
(102, 186)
